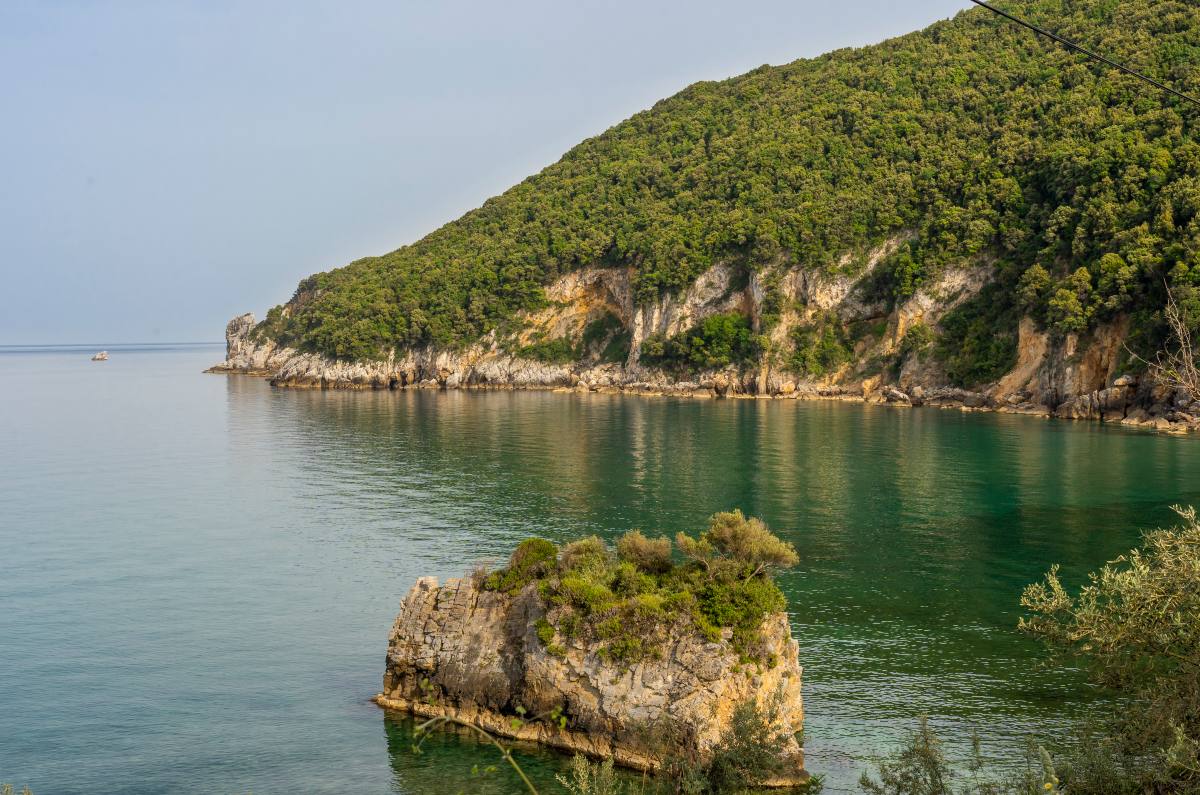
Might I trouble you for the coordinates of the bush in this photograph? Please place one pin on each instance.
(591, 778)
(750, 542)
(590, 597)
(917, 339)
(545, 631)
(585, 554)
(560, 350)
(741, 605)
(751, 751)
(627, 603)
(532, 559)
(978, 343)
(1136, 627)
(716, 341)
(649, 555)
(920, 767)
(1099, 765)
(625, 649)
(627, 580)
(819, 349)
(533, 556)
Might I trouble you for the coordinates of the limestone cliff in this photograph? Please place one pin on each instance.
(472, 654)
(247, 355)
(1054, 375)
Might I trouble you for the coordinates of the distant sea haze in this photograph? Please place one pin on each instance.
(110, 346)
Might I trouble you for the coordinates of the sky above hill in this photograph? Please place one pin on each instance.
(169, 165)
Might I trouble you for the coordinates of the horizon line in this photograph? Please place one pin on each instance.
(101, 345)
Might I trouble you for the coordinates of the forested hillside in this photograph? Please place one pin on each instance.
(972, 140)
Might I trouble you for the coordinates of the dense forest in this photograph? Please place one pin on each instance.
(974, 139)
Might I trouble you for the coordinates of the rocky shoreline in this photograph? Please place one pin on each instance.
(474, 656)
(1124, 401)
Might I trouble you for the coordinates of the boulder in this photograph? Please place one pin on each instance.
(1136, 417)
(1095, 405)
(953, 396)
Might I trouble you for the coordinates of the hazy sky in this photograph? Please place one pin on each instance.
(167, 165)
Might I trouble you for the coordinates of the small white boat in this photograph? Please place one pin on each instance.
(102, 356)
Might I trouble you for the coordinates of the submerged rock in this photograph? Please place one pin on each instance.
(475, 655)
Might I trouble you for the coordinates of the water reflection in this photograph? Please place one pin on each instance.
(917, 528)
(456, 760)
(226, 559)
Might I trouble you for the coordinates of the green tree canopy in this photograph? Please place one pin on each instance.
(743, 542)
(971, 139)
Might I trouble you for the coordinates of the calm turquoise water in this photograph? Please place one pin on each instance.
(198, 573)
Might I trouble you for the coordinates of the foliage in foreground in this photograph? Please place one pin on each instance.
(1136, 628)
(591, 778)
(621, 601)
(750, 752)
(920, 767)
(1091, 764)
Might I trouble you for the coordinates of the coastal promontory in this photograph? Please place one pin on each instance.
(960, 216)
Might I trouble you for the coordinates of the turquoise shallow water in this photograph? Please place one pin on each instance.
(198, 573)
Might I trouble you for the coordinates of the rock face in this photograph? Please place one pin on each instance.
(245, 354)
(1063, 376)
(474, 655)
